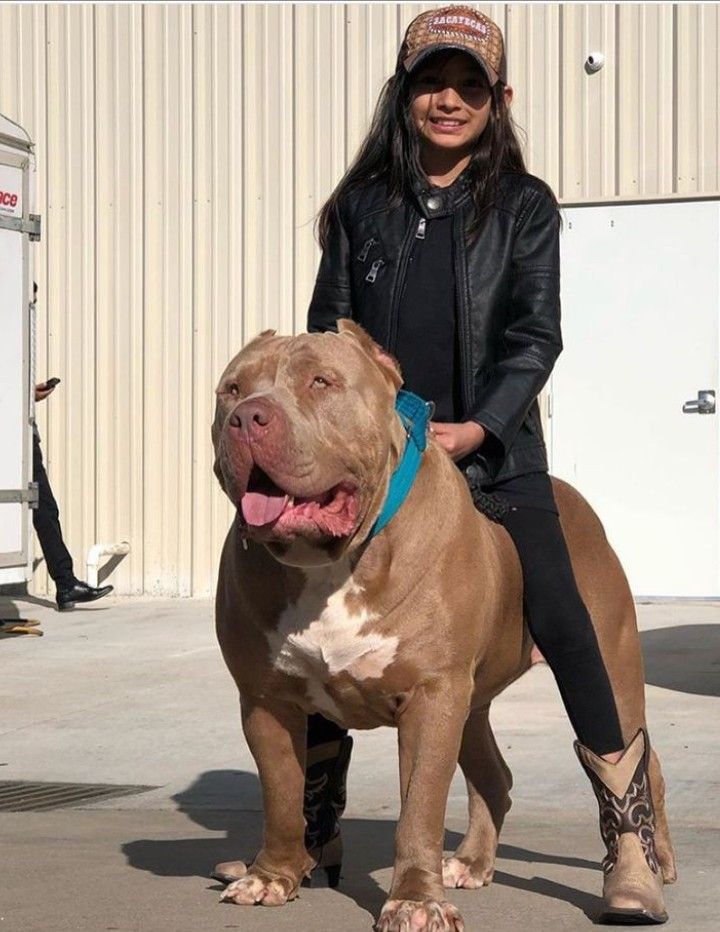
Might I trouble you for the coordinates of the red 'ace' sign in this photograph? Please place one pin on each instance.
(7, 199)
(10, 191)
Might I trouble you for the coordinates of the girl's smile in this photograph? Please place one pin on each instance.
(445, 125)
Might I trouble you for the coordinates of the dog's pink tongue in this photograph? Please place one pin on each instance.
(259, 508)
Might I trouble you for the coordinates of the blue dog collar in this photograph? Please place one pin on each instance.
(415, 415)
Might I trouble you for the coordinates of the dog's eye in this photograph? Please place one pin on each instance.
(321, 382)
(233, 389)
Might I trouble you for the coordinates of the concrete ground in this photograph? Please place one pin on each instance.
(135, 692)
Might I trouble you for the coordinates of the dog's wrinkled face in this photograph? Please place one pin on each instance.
(303, 433)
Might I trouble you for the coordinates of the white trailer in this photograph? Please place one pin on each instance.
(18, 228)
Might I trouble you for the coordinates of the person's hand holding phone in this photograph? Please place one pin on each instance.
(45, 388)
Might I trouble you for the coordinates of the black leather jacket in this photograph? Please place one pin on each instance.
(507, 281)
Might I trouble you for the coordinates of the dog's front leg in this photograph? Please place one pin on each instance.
(275, 733)
(429, 733)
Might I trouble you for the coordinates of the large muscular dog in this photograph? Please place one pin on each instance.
(419, 626)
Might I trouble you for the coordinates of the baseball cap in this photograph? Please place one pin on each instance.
(456, 27)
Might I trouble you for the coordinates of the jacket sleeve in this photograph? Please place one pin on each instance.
(331, 297)
(530, 342)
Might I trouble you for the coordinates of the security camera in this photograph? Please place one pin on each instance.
(594, 62)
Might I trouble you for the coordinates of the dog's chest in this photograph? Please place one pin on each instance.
(321, 636)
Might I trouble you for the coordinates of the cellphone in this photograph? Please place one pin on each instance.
(51, 383)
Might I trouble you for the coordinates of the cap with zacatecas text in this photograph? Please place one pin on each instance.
(456, 27)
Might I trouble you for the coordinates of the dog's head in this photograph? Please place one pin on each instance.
(305, 438)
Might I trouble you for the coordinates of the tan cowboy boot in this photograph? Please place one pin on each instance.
(632, 890)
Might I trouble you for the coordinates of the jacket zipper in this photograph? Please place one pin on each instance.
(374, 269)
(463, 320)
(363, 254)
(407, 248)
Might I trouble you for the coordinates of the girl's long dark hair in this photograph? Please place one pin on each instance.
(391, 151)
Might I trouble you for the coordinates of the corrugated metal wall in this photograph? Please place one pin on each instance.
(182, 154)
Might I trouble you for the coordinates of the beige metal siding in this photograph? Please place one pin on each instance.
(532, 36)
(183, 152)
(588, 111)
(645, 154)
(698, 97)
(119, 243)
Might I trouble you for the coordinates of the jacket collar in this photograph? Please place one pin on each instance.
(433, 201)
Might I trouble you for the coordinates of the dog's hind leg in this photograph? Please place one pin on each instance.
(488, 781)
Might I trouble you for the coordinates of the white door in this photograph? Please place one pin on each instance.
(641, 303)
(14, 460)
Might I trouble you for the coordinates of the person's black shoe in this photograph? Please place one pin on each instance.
(79, 592)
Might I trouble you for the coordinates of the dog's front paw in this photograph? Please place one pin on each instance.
(258, 886)
(470, 875)
(419, 916)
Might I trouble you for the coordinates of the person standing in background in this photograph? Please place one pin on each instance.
(46, 521)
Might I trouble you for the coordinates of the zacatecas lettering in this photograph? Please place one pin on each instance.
(7, 199)
(437, 23)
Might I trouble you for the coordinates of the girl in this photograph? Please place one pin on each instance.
(442, 246)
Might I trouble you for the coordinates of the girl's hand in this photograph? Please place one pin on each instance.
(458, 440)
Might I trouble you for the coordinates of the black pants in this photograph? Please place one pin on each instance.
(561, 627)
(46, 520)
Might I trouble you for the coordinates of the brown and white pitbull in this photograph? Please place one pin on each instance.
(419, 627)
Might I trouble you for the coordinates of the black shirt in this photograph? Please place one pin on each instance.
(428, 353)
(426, 345)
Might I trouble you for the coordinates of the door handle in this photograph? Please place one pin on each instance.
(703, 404)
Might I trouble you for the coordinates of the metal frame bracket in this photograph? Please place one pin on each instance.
(32, 226)
(29, 496)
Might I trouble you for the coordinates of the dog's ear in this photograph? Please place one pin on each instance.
(264, 335)
(386, 362)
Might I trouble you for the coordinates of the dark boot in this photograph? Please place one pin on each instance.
(325, 797)
(78, 591)
(325, 800)
(633, 884)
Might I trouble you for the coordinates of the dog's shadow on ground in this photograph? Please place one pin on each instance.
(368, 846)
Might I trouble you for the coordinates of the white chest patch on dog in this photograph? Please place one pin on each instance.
(319, 637)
